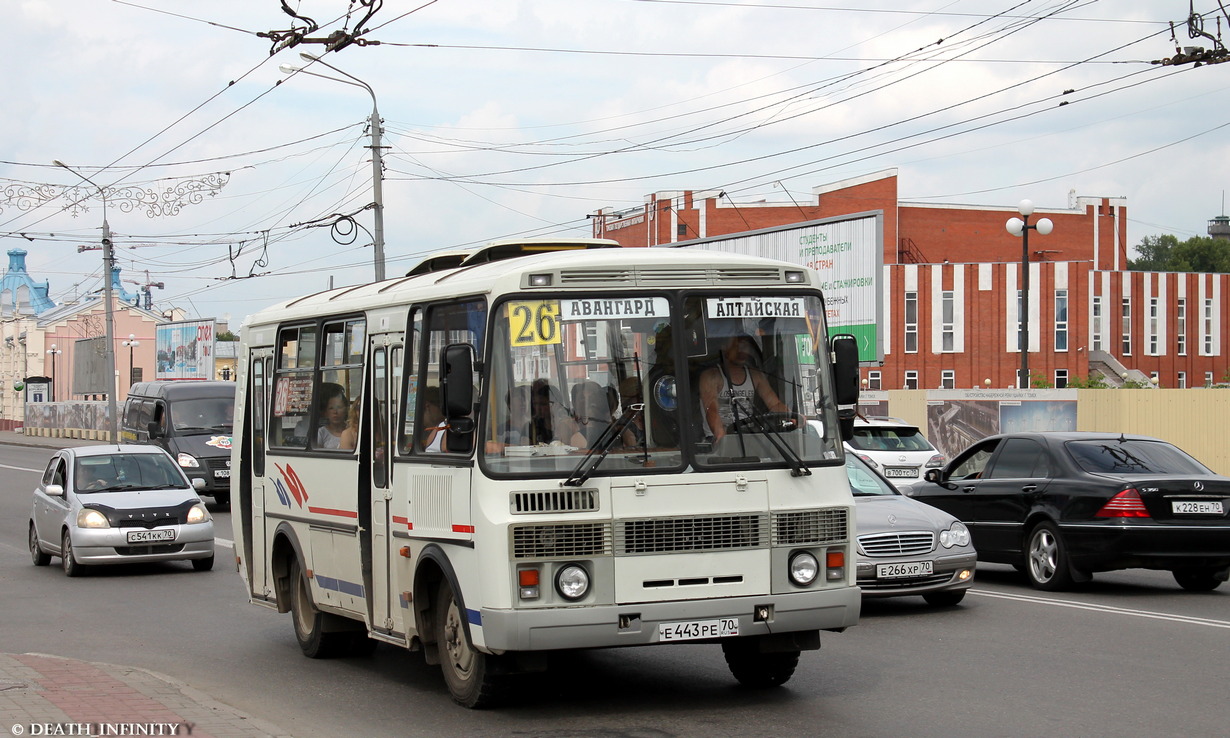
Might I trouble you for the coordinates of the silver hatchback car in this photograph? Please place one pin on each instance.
(118, 504)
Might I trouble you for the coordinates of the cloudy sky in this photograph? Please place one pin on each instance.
(225, 176)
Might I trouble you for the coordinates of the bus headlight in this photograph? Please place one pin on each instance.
(803, 568)
(572, 582)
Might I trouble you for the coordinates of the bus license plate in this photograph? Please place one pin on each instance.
(691, 630)
(900, 471)
(150, 536)
(903, 570)
(1196, 507)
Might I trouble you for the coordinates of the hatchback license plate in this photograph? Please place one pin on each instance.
(900, 471)
(150, 536)
(1197, 507)
(903, 570)
(693, 629)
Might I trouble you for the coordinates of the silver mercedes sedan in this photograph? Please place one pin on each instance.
(906, 547)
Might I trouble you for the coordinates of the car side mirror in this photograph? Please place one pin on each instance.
(198, 484)
(934, 476)
(54, 490)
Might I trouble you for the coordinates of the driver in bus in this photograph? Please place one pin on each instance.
(728, 390)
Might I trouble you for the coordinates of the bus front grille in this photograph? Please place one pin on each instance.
(811, 527)
(687, 534)
(561, 540)
(554, 501)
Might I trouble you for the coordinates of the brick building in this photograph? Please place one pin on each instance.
(951, 279)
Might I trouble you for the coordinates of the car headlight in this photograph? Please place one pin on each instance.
(198, 514)
(92, 519)
(804, 568)
(188, 461)
(956, 535)
(572, 582)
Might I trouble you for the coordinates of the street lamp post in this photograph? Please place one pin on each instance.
(53, 352)
(109, 345)
(1020, 228)
(131, 343)
(377, 132)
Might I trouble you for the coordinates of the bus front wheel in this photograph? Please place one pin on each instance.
(310, 623)
(757, 669)
(466, 670)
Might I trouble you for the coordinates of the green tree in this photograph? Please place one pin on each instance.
(1166, 253)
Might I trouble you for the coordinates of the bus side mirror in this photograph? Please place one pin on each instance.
(844, 348)
(458, 381)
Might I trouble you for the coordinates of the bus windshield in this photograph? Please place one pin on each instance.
(606, 375)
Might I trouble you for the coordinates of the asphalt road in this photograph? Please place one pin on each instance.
(1130, 654)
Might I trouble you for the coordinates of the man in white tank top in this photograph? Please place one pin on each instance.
(728, 390)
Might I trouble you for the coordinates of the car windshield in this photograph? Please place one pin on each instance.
(608, 375)
(113, 472)
(204, 414)
(1112, 456)
(889, 438)
(863, 481)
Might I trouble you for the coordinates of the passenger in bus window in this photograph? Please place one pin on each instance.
(592, 412)
(729, 390)
(633, 435)
(517, 426)
(350, 437)
(550, 420)
(332, 410)
(435, 428)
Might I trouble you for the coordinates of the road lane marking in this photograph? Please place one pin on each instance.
(1208, 622)
(21, 468)
(225, 543)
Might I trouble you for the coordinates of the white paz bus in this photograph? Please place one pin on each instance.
(542, 446)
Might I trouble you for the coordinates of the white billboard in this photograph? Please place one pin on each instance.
(848, 252)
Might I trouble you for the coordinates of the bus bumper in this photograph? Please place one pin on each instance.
(604, 626)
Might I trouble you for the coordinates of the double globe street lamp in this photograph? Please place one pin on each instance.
(1020, 227)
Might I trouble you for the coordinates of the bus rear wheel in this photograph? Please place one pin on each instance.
(310, 623)
(467, 671)
(756, 669)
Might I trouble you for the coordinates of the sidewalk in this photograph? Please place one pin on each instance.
(12, 438)
(48, 695)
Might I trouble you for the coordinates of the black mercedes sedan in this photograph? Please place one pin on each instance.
(1061, 506)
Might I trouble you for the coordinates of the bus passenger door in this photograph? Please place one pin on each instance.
(254, 484)
(374, 455)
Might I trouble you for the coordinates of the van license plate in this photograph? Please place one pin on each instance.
(150, 536)
(222, 474)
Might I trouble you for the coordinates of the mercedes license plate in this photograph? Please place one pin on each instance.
(903, 570)
(693, 629)
(1197, 507)
(901, 471)
(150, 536)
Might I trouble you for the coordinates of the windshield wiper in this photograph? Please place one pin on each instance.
(797, 467)
(602, 446)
